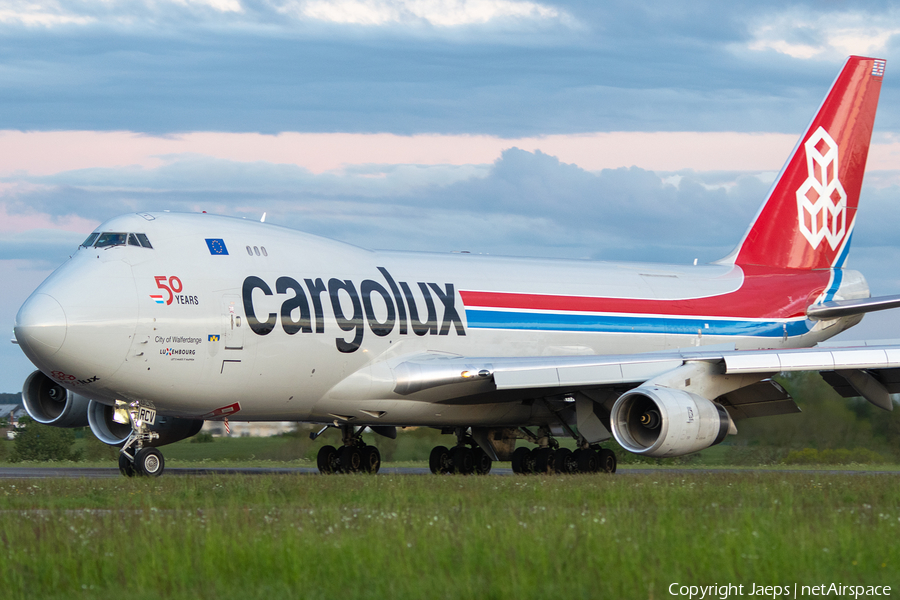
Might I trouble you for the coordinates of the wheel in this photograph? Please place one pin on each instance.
(563, 461)
(483, 462)
(326, 460)
(543, 460)
(439, 460)
(371, 459)
(607, 462)
(126, 467)
(351, 459)
(587, 461)
(522, 461)
(463, 460)
(149, 462)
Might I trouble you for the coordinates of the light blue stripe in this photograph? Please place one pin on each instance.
(837, 276)
(489, 319)
(839, 263)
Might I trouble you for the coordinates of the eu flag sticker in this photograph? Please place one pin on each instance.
(216, 246)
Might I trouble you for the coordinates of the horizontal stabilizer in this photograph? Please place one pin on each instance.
(847, 308)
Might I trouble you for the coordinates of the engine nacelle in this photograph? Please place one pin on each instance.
(109, 431)
(49, 403)
(664, 422)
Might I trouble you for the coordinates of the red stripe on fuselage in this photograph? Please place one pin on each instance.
(766, 293)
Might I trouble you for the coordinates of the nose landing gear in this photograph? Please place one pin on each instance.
(134, 458)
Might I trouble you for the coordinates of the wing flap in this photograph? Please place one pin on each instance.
(803, 359)
(762, 399)
(876, 386)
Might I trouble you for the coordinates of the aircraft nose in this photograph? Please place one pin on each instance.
(41, 326)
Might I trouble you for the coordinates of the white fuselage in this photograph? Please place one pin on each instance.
(290, 326)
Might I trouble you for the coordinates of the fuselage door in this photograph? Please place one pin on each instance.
(233, 323)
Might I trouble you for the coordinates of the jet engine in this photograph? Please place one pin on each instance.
(664, 422)
(49, 403)
(104, 425)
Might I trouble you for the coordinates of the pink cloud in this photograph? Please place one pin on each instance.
(44, 153)
(10, 223)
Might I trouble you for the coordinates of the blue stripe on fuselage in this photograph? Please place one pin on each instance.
(491, 319)
(837, 276)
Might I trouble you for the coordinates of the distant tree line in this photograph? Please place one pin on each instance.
(11, 398)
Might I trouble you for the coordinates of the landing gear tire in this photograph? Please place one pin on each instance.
(607, 461)
(126, 467)
(588, 461)
(371, 459)
(543, 460)
(482, 462)
(326, 460)
(149, 462)
(439, 460)
(351, 459)
(563, 461)
(522, 461)
(463, 460)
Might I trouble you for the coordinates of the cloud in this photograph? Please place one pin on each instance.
(526, 203)
(438, 13)
(117, 13)
(44, 153)
(166, 67)
(39, 248)
(281, 14)
(805, 34)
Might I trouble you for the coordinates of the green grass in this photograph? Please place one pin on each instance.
(295, 536)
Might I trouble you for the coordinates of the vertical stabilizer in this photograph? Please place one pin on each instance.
(808, 218)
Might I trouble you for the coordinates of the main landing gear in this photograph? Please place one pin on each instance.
(465, 458)
(549, 458)
(355, 456)
(134, 458)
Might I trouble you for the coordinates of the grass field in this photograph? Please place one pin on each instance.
(295, 536)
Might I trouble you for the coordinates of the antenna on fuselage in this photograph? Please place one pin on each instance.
(263, 220)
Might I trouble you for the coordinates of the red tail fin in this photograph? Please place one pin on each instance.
(808, 218)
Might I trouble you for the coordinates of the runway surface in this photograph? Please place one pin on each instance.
(100, 473)
(106, 473)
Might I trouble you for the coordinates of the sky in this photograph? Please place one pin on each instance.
(630, 130)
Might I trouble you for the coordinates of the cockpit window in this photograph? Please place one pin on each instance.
(110, 239)
(142, 238)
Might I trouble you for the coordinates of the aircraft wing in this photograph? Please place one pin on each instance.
(853, 369)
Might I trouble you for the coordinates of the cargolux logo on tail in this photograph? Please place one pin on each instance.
(821, 200)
